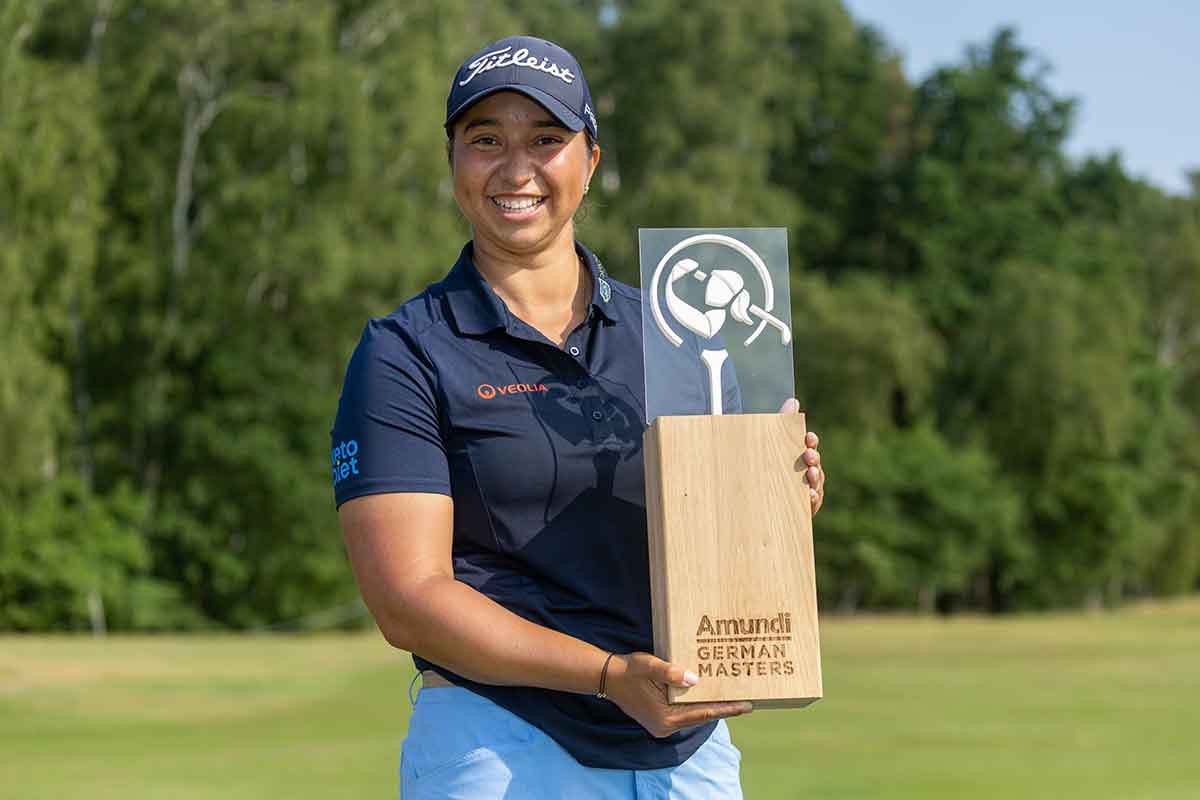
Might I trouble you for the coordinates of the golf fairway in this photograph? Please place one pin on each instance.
(1088, 706)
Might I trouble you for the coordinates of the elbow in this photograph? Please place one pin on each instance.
(396, 632)
(396, 636)
(404, 624)
(404, 614)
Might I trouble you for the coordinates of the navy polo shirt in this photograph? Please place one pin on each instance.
(540, 448)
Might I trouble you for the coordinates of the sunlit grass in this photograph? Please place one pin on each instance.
(1061, 706)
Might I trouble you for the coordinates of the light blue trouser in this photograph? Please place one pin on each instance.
(461, 745)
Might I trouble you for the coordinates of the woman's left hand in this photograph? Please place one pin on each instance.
(814, 474)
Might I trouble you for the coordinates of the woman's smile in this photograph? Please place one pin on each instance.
(518, 207)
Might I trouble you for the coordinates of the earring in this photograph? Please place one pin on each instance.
(586, 186)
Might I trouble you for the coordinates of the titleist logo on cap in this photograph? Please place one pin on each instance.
(521, 58)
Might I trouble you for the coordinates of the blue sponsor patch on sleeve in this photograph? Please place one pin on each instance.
(344, 460)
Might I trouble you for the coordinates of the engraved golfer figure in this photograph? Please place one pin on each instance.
(725, 295)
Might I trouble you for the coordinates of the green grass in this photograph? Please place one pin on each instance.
(1064, 706)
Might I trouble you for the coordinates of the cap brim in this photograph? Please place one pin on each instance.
(570, 120)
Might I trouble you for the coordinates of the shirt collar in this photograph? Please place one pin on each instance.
(475, 307)
(478, 309)
(601, 284)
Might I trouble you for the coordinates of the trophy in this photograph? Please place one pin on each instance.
(732, 580)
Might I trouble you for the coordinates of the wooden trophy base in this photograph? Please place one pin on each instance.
(732, 580)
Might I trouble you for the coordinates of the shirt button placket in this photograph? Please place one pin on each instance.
(593, 408)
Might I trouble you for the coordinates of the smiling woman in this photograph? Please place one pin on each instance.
(519, 177)
(494, 511)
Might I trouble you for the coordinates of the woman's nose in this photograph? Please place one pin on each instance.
(517, 169)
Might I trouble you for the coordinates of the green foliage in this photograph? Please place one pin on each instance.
(53, 171)
(1165, 234)
(842, 134)
(866, 359)
(916, 523)
(692, 122)
(1051, 387)
(70, 557)
(202, 202)
(986, 142)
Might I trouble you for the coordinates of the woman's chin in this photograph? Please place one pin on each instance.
(520, 238)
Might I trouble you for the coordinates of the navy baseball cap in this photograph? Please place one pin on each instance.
(538, 69)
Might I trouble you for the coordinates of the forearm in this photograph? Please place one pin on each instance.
(454, 626)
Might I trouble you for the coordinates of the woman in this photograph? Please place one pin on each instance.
(488, 472)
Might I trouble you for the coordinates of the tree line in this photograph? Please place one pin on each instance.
(202, 201)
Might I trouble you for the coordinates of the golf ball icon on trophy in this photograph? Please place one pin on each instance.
(725, 297)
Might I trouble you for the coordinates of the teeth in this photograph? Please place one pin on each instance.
(517, 205)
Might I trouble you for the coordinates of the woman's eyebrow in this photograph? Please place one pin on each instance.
(476, 123)
(485, 121)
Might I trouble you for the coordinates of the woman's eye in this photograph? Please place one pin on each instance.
(549, 140)
(485, 140)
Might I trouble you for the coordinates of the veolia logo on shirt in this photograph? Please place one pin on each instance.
(487, 391)
(344, 459)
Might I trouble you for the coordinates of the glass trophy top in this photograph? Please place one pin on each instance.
(716, 320)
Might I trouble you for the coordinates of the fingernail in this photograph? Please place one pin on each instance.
(690, 678)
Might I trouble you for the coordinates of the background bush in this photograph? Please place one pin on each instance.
(201, 203)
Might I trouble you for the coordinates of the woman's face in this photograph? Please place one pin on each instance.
(519, 175)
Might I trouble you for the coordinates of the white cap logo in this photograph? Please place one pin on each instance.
(504, 58)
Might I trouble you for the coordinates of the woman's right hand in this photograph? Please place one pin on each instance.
(637, 683)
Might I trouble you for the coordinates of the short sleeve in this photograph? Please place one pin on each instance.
(387, 434)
